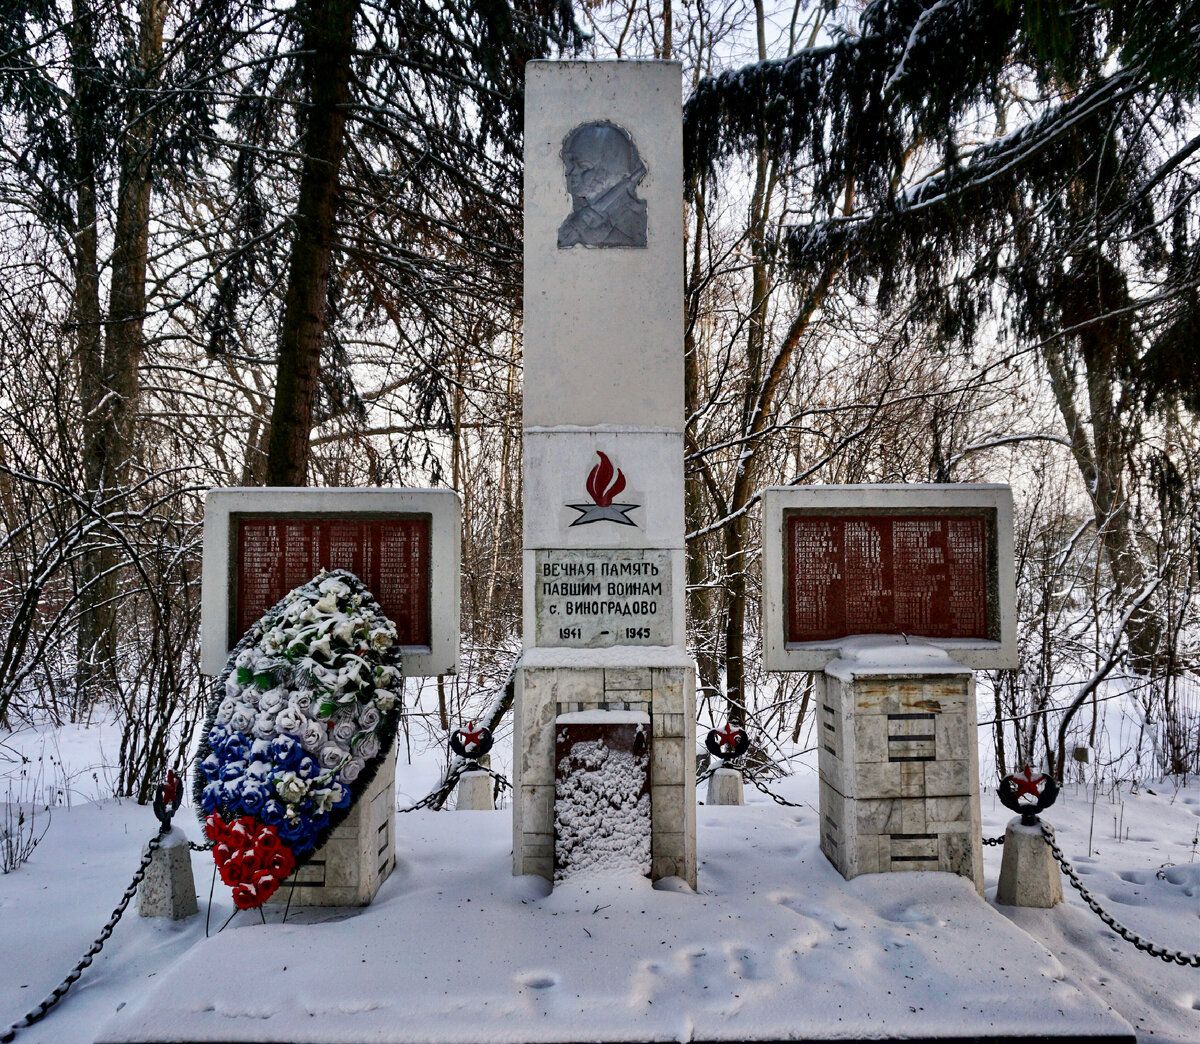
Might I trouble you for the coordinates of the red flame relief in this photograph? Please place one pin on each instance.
(598, 481)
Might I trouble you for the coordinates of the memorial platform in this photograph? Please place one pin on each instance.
(775, 946)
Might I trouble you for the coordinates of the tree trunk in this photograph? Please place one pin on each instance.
(96, 639)
(328, 42)
(125, 338)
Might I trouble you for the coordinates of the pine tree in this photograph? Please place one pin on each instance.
(1062, 215)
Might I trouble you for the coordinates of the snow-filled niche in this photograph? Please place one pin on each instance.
(602, 793)
(300, 720)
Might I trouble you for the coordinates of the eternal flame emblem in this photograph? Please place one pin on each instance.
(602, 168)
(602, 487)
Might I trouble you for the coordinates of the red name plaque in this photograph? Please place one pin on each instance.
(390, 555)
(919, 574)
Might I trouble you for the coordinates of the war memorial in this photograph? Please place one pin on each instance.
(893, 595)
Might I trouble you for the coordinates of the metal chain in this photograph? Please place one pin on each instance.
(201, 848)
(60, 991)
(994, 840)
(773, 796)
(1161, 952)
(432, 797)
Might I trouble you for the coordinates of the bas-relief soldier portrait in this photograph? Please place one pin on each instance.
(602, 169)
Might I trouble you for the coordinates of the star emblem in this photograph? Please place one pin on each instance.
(728, 737)
(603, 483)
(1025, 782)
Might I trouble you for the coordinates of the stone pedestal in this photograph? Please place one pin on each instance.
(1029, 874)
(350, 867)
(665, 695)
(725, 787)
(602, 471)
(474, 792)
(169, 889)
(899, 775)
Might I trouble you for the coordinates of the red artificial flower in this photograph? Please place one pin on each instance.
(250, 858)
(216, 828)
(246, 897)
(282, 863)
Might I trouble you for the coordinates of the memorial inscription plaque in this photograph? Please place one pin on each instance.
(588, 599)
(390, 555)
(918, 574)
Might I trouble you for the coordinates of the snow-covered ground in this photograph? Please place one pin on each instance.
(455, 948)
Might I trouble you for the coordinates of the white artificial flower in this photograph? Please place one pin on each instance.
(350, 770)
(321, 647)
(225, 710)
(369, 718)
(233, 687)
(244, 659)
(290, 788)
(242, 719)
(367, 747)
(384, 676)
(322, 799)
(313, 736)
(380, 640)
(343, 731)
(343, 631)
(385, 699)
(272, 700)
(273, 641)
(303, 700)
(264, 725)
(290, 722)
(326, 604)
(331, 756)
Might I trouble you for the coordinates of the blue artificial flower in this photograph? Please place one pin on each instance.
(217, 736)
(232, 771)
(298, 833)
(272, 812)
(260, 771)
(286, 751)
(211, 767)
(210, 797)
(342, 795)
(237, 747)
(306, 767)
(260, 750)
(253, 797)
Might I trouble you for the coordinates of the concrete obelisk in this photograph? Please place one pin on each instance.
(604, 671)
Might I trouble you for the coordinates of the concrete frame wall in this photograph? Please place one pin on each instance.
(223, 505)
(981, 654)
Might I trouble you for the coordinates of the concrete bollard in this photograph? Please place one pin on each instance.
(169, 889)
(725, 788)
(475, 792)
(1029, 875)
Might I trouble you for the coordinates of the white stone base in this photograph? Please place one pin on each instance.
(899, 773)
(667, 694)
(474, 792)
(358, 857)
(169, 889)
(725, 787)
(1029, 875)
